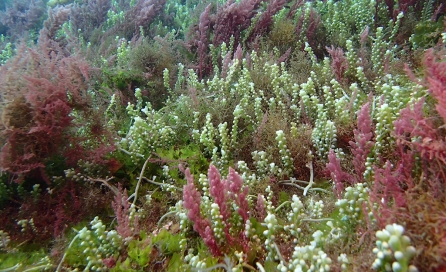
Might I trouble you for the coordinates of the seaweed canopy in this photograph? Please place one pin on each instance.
(39, 87)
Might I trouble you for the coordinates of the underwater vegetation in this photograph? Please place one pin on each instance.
(212, 135)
